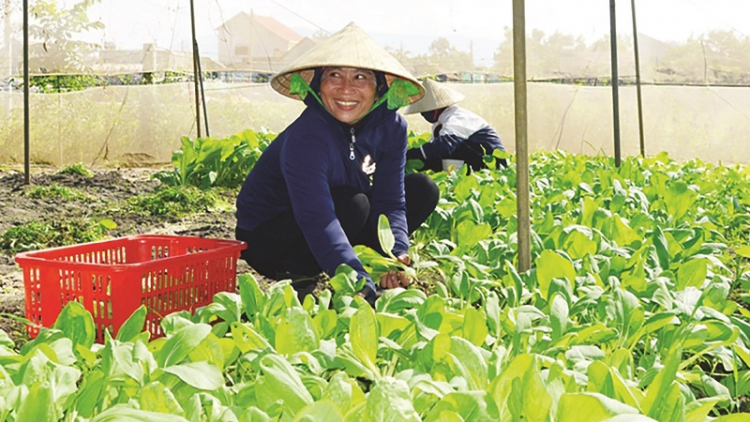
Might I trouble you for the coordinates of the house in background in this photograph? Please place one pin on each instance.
(250, 42)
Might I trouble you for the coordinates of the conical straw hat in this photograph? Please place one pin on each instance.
(436, 96)
(350, 47)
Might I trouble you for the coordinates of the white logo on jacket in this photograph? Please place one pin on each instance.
(368, 166)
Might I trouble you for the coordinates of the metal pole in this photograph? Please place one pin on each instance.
(196, 73)
(522, 150)
(200, 81)
(638, 82)
(6, 40)
(615, 80)
(26, 126)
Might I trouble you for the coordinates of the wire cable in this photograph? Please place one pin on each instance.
(301, 17)
(174, 25)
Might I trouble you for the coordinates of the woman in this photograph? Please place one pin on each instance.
(457, 133)
(321, 185)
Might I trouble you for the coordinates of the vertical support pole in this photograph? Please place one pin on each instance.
(6, 41)
(200, 82)
(26, 108)
(615, 80)
(522, 150)
(638, 82)
(196, 74)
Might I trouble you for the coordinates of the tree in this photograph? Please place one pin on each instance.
(684, 63)
(504, 54)
(717, 57)
(441, 58)
(562, 56)
(447, 58)
(403, 56)
(599, 53)
(55, 31)
(727, 57)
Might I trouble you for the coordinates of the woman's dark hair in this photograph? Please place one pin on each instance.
(382, 84)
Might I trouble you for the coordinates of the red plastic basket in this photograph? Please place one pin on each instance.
(112, 278)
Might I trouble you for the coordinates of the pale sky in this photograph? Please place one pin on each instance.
(414, 24)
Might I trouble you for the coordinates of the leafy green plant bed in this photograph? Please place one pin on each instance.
(634, 309)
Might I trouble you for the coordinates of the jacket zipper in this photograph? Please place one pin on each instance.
(351, 144)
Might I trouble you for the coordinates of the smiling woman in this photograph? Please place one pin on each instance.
(322, 185)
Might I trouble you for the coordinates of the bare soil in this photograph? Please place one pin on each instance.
(107, 187)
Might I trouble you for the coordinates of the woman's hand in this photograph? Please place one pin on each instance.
(393, 279)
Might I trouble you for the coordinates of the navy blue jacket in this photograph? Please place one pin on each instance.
(310, 157)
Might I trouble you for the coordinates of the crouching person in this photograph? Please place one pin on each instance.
(321, 185)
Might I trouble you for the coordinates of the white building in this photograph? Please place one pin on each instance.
(255, 43)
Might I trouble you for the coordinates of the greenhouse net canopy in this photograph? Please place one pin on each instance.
(112, 81)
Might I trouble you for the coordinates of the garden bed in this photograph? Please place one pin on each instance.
(635, 306)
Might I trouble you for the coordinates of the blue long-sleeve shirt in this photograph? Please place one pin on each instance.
(310, 157)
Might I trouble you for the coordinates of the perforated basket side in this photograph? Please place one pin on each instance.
(112, 278)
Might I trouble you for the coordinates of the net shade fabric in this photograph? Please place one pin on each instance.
(135, 124)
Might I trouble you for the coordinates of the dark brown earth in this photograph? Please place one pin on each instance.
(107, 188)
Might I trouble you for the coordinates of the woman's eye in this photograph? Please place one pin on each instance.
(332, 75)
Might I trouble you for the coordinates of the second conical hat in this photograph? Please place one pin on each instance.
(436, 96)
(350, 47)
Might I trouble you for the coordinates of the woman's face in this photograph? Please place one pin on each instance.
(347, 92)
